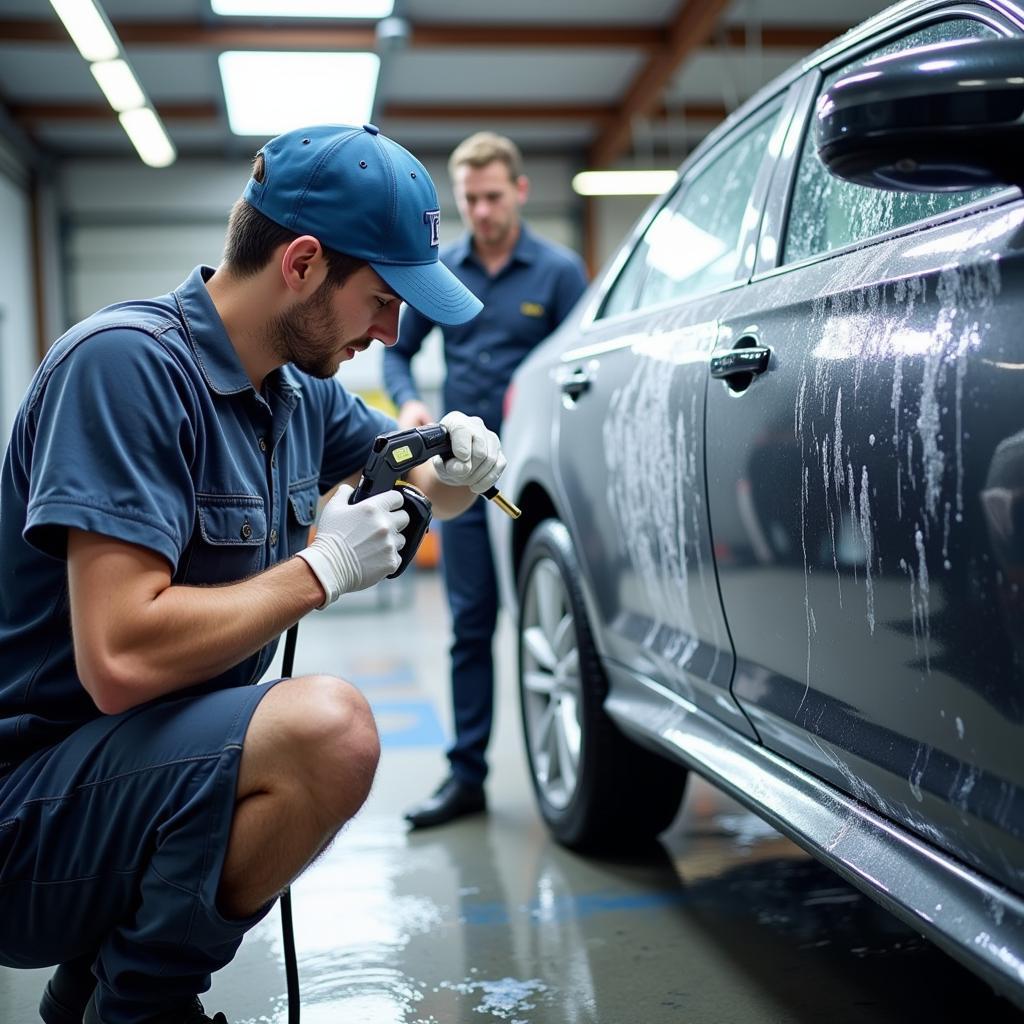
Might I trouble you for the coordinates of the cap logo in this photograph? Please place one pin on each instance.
(432, 218)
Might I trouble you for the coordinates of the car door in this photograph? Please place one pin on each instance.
(864, 490)
(631, 425)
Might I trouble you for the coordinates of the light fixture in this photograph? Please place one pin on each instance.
(304, 8)
(336, 88)
(88, 29)
(119, 84)
(148, 137)
(623, 183)
(98, 44)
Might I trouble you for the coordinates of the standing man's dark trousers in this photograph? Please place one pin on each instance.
(111, 848)
(473, 599)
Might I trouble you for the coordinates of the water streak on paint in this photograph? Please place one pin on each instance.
(655, 491)
(868, 533)
(923, 597)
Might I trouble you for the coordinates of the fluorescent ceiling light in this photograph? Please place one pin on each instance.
(119, 85)
(148, 136)
(305, 8)
(88, 29)
(271, 93)
(623, 183)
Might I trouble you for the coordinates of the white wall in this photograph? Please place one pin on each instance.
(17, 301)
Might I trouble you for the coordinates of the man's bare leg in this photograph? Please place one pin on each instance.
(308, 761)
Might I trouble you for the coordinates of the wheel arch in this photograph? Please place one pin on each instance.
(537, 505)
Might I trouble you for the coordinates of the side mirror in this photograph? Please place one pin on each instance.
(941, 118)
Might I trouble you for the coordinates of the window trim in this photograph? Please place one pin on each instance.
(592, 319)
(804, 120)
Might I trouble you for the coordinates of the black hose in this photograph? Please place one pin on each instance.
(291, 965)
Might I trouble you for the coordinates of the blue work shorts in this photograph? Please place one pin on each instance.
(112, 843)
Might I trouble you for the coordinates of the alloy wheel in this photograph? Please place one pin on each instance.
(550, 680)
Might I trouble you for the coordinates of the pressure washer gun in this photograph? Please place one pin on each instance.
(395, 453)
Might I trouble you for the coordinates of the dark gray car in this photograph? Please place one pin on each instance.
(772, 473)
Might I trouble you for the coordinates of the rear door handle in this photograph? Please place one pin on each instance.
(576, 383)
(740, 360)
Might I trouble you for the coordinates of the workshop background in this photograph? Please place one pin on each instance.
(486, 919)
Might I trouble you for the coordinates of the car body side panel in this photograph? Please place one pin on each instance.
(874, 595)
(631, 466)
(974, 919)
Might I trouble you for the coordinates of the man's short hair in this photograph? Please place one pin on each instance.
(252, 238)
(485, 148)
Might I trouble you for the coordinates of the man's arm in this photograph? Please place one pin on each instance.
(447, 502)
(137, 637)
(475, 464)
(398, 378)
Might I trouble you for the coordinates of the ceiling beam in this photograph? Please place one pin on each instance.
(35, 113)
(691, 27)
(361, 36)
(784, 37)
(330, 36)
(560, 36)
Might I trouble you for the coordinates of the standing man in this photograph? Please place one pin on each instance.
(528, 285)
(155, 506)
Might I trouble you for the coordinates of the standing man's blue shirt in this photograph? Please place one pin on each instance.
(141, 425)
(523, 303)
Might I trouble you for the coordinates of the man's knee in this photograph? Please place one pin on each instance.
(341, 745)
(325, 734)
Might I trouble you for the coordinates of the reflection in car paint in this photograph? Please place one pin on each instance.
(871, 325)
(652, 435)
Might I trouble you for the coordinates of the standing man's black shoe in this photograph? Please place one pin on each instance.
(453, 799)
(68, 991)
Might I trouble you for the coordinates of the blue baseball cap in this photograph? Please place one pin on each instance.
(363, 195)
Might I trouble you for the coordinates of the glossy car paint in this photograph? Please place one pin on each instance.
(877, 629)
(862, 519)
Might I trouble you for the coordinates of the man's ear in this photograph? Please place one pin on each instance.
(303, 265)
(522, 188)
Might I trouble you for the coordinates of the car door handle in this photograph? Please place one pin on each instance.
(576, 384)
(740, 360)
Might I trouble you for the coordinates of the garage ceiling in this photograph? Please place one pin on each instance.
(598, 80)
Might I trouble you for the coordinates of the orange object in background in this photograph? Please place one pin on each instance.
(429, 554)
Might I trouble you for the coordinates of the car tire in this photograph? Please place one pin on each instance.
(596, 790)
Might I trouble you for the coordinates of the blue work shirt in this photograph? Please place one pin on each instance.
(523, 303)
(142, 425)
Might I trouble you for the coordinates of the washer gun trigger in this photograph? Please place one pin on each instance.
(395, 453)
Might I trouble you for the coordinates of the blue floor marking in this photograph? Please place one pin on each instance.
(366, 675)
(571, 908)
(408, 724)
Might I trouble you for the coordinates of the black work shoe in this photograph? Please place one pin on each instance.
(453, 799)
(189, 1012)
(67, 992)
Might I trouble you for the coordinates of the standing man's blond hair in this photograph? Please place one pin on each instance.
(485, 148)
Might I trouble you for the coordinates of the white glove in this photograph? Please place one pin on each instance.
(476, 460)
(356, 545)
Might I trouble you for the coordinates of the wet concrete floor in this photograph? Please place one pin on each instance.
(488, 920)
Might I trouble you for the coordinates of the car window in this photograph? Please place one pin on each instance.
(691, 246)
(827, 213)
